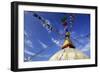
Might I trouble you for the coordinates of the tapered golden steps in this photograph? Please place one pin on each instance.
(67, 43)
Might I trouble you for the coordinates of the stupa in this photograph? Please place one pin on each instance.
(68, 51)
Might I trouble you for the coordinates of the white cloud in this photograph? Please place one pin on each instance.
(32, 54)
(29, 43)
(29, 53)
(28, 59)
(86, 48)
(26, 34)
(56, 42)
(46, 56)
(42, 44)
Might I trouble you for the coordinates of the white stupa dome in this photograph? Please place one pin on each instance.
(68, 54)
(68, 51)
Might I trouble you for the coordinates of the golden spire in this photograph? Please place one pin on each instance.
(67, 43)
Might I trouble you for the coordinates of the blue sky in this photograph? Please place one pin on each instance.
(40, 44)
